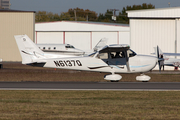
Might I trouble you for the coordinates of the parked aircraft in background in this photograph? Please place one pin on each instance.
(60, 49)
(70, 49)
(167, 60)
(112, 59)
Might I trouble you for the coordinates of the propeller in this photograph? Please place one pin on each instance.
(160, 59)
(127, 61)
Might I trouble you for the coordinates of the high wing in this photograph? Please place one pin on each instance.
(114, 48)
(171, 54)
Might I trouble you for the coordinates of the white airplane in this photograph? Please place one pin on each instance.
(167, 60)
(60, 49)
(70, 49)
(112, 59)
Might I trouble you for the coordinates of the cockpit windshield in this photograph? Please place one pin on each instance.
(69, 46)
(131, 53)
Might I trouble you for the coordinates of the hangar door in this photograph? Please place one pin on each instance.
(80, 40)
(148, 33)
(49, 38)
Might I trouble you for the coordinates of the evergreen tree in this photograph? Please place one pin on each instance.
(122, 17)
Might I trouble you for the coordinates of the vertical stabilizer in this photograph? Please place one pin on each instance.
(30, 53)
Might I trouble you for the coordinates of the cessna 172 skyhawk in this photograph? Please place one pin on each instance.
(112, 59)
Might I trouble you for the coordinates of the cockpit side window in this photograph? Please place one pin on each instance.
(102, 56)
(119, 54)
(114, 55)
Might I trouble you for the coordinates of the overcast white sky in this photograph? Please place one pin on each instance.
(99, 6)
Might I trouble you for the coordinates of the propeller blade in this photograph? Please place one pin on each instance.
(127, 61)
(157, 51)
(160, 58)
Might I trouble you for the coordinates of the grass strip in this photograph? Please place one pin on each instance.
(88, 105)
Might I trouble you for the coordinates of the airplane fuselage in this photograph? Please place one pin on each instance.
(137, 63)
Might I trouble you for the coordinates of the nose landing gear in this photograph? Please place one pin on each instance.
(143, 78)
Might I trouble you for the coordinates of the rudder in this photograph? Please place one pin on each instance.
(30, 53)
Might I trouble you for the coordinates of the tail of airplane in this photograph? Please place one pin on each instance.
(30, 53)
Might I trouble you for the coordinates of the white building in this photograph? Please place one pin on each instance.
(152, 27)
(82, 35)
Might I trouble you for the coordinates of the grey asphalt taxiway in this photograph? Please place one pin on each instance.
(124, 86)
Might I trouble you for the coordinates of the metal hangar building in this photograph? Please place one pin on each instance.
(152, 27)
(82, 35)
(14, 22)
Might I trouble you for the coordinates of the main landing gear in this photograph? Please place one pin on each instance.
(143, 78)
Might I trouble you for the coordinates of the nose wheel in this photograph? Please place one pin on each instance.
(143, 78)
(113, 77)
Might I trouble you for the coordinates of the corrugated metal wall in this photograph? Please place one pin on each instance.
(148, 33)
(49, 37)
(124, 37)
(84, 40)
(171, 12)
(14, 23)
(80, 40)
(178, 36)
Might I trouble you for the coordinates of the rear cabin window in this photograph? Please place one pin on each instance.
(117, 54)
